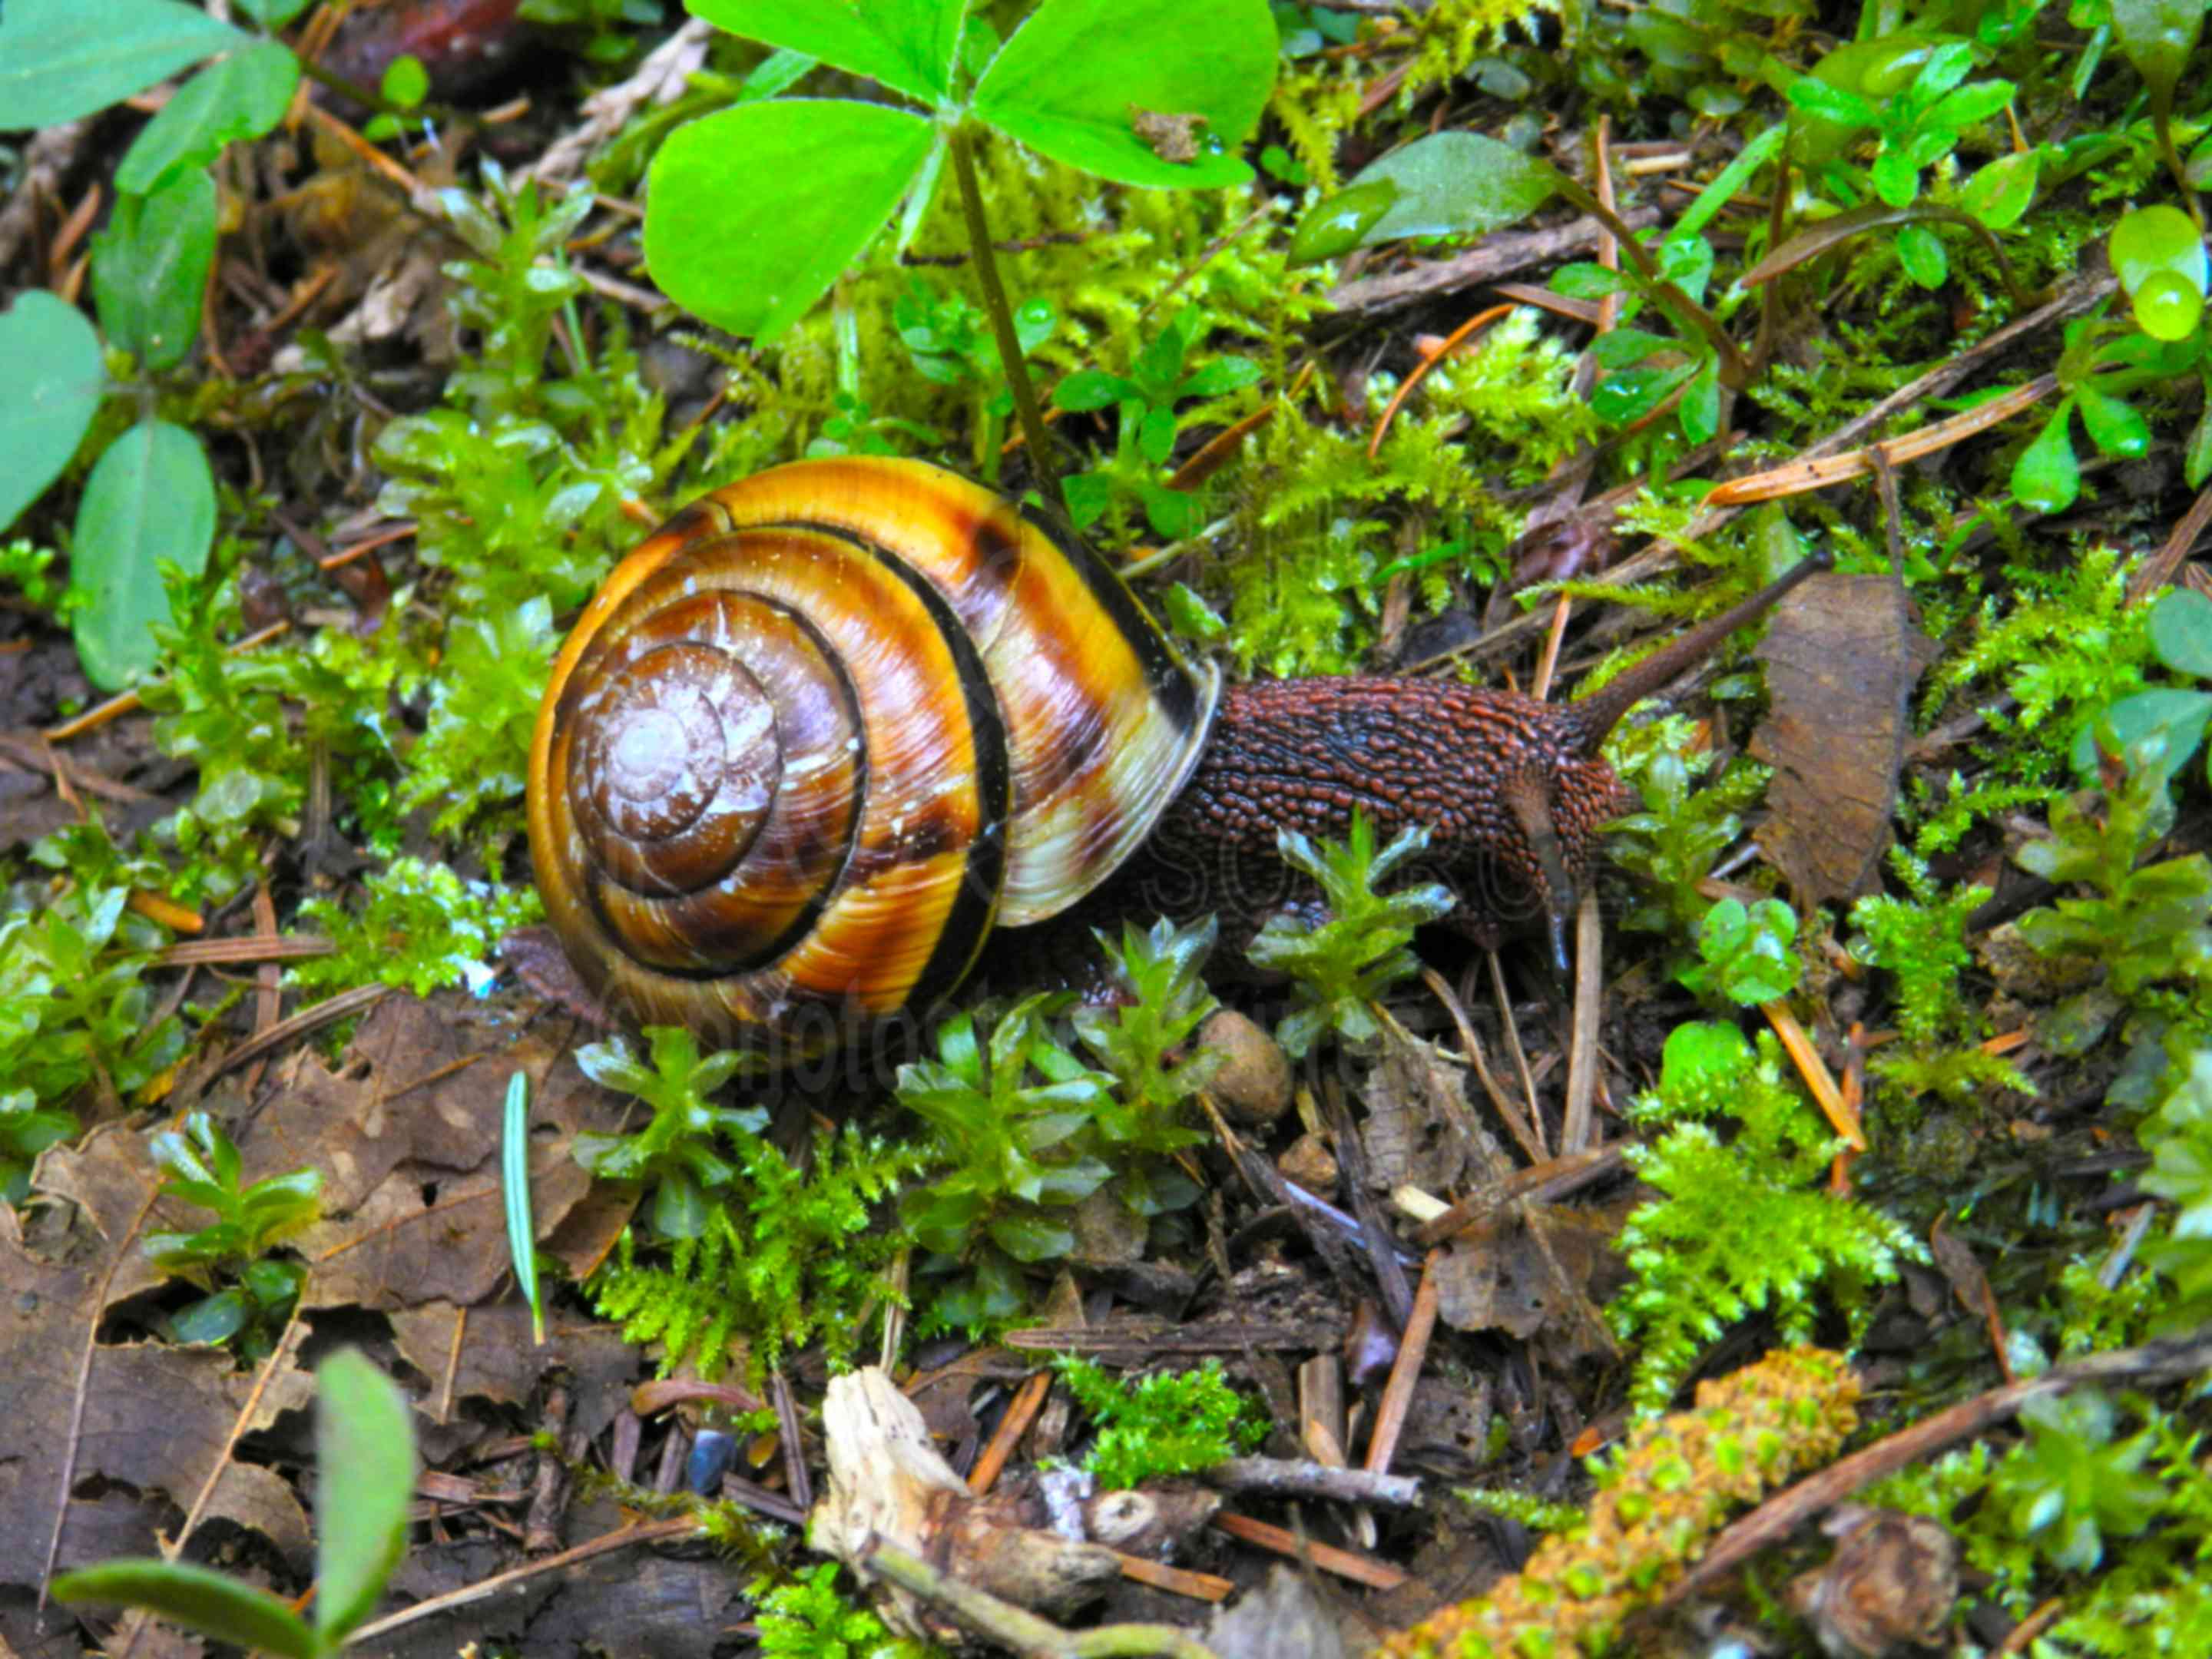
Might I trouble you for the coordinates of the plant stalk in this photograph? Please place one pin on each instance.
(1002, 319)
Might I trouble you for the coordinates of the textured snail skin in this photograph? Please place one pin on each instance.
(826, 728)
(1512, 804)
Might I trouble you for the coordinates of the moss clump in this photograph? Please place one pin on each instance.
(1672, 1486)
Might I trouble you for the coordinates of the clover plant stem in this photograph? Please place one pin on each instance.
(1002, 317)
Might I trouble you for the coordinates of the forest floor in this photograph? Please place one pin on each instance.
(1820, 1262)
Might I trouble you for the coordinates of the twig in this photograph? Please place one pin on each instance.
(1520, 1055)
(2159, 569)
(1405, 1372)
(1360, 1569)
(1495, 256)
(795, 1477)
(1016, 1627)
(1810, 473)
(1176, 1581)
(1284, 1477)
(2170, 1360)
(1818, 1078)
(1523, 1130)
(1021, 1412)
(1546, 1183)
(646, 1532)
(1576, 1128)
(307, 1019)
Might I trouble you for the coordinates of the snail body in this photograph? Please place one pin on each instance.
(827, 727)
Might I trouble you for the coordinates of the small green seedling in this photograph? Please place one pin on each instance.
(1340, 966)
(1146, 397)
(365, 1451)
(677, 1151)
(1918, 122)
(1143, 1040)
(1745, 955)
(2103, 359)
(202, 1167)
(2147, 923)
(2070, 1484)
(1013, 1118)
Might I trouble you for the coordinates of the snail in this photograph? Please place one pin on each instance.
(827, 727)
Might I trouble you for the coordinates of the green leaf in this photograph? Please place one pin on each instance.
(2114, 427)
(2177, 715)
(1223, 374)
(2046, 477)
(2180, 628)
(151, 497)
(1923, 257)
(514, 1182)
(62, 58)
(1969, 106)
(1067, 81)
(210, 1320)
(405, 83)
(1625, 348)
(1585, 281)
(2002, 191)
(1456, 182)
(149, 267)
(1895, 177)
(50, 363)
(1699, 411)
(1336, 224)
(1092, 388)
(1731, 178)
(1817, 98)
(1189, 615)
(240, 96)
(907, 45)
(198, 1598)
(2168, 305)
(752, 213)
(1027, 1238)
(2159, 238)
(365, 1464)
(1702, 1055)
(2158, 36)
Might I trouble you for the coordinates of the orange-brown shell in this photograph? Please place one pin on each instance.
(824, 728)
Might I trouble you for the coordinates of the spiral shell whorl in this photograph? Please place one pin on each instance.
(816, 732)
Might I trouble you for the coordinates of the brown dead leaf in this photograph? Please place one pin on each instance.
(1841, 658)
(1501, 1276)
(407, 1134)
(1413, 1098)
(499, 1362)
(156, 1424)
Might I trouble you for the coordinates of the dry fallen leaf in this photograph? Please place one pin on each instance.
(1842, 655)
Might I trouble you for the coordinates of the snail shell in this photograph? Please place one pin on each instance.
(821, 730)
